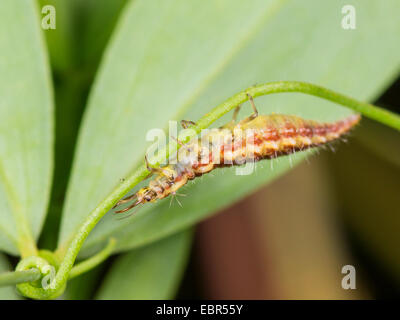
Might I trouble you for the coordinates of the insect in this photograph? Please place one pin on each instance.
(270, 136)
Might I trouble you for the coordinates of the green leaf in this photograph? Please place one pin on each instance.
(84, 286)
(151, 272)
(60, 41)
(26, 127)
(82, 31)
(75, 54)
(367, 188)
(172, 60)
(7, 293)
(100, 18)
(381, 140)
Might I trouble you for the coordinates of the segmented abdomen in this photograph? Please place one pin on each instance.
(282, 134)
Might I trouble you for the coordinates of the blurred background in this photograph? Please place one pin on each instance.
(288, 240)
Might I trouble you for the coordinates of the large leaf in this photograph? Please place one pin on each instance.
(100, 18)
(75, 54)
(7, 293)
(60, 41)
(82, 31)
(151, 272)
(170, 60)
(26, 125)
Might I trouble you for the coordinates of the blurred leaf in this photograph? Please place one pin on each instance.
(84, 286)
(151, 272)
(82, 31)
(100, 18)
(60, 41)
(177, 59)
(381, 140)
(75, 54)
(7, 293)
(368, 189)
(26, 125)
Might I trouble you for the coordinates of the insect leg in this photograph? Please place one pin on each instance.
(255, 112)
(235, 113)
(187, 123)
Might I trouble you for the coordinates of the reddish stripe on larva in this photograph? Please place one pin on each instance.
(273, 135)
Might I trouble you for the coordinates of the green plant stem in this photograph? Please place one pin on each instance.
(368, 110)
(70, 250)
(93, 261)
(15, 277)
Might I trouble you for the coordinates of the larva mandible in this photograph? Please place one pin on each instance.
(272, 136)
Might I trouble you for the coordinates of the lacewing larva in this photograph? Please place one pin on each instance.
(272, 136)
